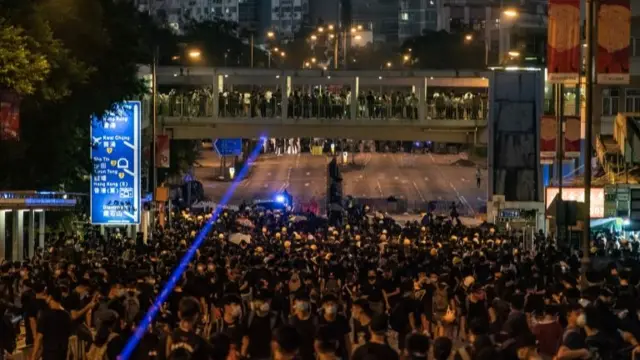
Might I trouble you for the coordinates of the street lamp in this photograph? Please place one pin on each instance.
(359, 27)
(406, 58)
(313, 60)
(195, 54)
(320, 29)
(358, 37)
(331, 28)
(389, 64)
(468, 37)
(271, 34)
(353, 30)
(283, 54)
(314, 37)
(511, 13)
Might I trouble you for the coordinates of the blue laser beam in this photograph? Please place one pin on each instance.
(186, 259)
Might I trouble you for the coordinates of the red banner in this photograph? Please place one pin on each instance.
(563, 41)
(614, 34)
(9, 116)
(548, 136)
(163, 151)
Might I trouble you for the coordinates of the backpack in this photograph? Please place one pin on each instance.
(131, 308)
(100, 352)
(440, 300)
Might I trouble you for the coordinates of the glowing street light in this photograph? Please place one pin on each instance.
(283, 54)
(353, 30)
(314, 37)
(331, 36)
(406, 58)
(389, 64)
(271, 34)
(511, 13)
(307, 64)
(331, 28)
(313, 60)
(514, 53)
(276, 49)
(358, 37)
(195, 54)
(359, 27)
(320, 29)
(468, 37)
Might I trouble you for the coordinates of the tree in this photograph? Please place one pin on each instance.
(93, 48)
(22, 65)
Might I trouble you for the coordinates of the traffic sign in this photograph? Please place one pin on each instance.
(228, 147)
(115, 152)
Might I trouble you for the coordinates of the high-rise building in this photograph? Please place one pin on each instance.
(380, 16)
(287, 16)
(178, 12)
(327, 11)
(416, 16)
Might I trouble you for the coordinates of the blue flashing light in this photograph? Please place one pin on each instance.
(184, 262)
(281, 199)
(626, 222)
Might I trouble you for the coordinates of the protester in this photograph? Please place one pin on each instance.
(270, 284)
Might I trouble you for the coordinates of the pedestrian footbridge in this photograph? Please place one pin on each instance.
(439, 106)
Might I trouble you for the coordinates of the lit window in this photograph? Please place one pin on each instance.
(404, 16)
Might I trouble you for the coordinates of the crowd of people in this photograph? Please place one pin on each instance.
(268, 284)
(325, 103)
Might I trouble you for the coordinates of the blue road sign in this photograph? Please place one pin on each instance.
(115, 152)
(228, 147)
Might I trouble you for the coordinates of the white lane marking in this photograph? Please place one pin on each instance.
(460, 197)
(380, 188)
(284, 186)
(415, 186)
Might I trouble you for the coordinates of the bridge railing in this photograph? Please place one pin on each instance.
(202, 104)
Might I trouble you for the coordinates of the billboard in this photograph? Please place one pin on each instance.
(563, 41)
(163, 151)
(614, 34)
(577, 194)
(115, 153)
(9, 116)
(548, 136)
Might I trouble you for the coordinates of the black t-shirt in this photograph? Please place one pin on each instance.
(198, 347)
(390, 285)
(29, 311)
(235, 330)
(376, 351)
(338, 328)
(307, 331)
(361, 333)
(55, 327)
(573, 339)
(259, 332)
(372, 291)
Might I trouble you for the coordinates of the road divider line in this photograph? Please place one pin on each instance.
(380, 188)
(415, 186)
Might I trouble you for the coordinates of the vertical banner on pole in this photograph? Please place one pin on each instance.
(548, 130)
(614, 34)
(563, 41)
(163, 151)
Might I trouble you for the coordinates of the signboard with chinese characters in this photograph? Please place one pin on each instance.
(115, 153)
(577, 194)
(228, 147)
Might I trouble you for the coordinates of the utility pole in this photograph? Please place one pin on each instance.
(560, 219)
(154, 125)
(586, 234)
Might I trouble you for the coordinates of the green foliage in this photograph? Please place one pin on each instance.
(22, 66)
(93, 48)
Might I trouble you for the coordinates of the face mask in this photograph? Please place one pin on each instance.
(265, 307)
(581, 321)
(302, 306)
(330, 309)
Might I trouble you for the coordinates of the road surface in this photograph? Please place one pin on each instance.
(417, 178)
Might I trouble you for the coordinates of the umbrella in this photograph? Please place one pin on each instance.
(237, 238)
(245, 222)
(298, 218)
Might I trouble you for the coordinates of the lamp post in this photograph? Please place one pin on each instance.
(154, 120)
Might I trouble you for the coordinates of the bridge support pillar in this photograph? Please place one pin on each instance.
(218, 88)
(17, 250)
(355, 90)
(421, 94)
(3, 234)
(31, 234)
(41, 229)
(286, 91)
